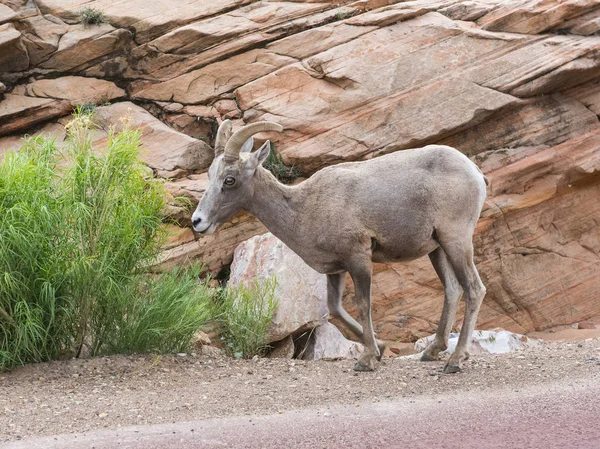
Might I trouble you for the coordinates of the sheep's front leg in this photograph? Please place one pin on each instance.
(335, 290)
(361, 276)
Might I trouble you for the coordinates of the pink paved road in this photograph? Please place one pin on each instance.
(548, 416)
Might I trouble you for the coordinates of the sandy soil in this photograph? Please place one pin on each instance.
(78, 396)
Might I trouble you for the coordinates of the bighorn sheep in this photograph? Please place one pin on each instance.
(397, 207)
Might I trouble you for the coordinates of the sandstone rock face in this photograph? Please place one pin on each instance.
(514, 84)
(327, 342)
(301, 292)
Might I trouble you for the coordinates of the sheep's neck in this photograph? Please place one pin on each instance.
(276, 206)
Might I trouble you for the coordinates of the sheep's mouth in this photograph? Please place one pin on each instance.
(206, 230)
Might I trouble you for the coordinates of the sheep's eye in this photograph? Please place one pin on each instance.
(229, 181)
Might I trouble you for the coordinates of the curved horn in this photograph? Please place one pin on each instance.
(223, 135)
(233, 146)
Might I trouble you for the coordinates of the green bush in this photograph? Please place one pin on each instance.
(244, 315)
(92, 16)
(172, 308)
(78, 229)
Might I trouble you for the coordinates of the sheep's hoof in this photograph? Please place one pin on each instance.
(360, 367)
(451, 369)
(380, 356)
(428, 358)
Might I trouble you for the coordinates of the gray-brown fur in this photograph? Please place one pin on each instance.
(398, 207)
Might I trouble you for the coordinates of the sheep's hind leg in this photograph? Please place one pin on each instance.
(468, 277)
(452, 292)
(361, 275)
(335, 290)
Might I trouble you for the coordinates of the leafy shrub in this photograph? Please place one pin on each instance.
(92, 16)
(244, 314)
(78, 229)
(172, 308)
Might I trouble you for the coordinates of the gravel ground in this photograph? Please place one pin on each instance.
(78, 396)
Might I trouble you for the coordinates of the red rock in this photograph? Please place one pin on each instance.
(41, 35)
(211, 81)
(76, 89)
(13, 53)
(165, 149)
(533, 17)
(80, 46)
(18, 112)
(149, 18)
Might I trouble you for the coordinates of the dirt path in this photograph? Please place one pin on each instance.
(80, 396)
(551, 415)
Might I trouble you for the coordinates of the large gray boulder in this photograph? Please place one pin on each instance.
(301, 292)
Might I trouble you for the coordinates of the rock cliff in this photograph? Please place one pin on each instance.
(514, 84)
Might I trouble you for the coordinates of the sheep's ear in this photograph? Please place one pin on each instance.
(248, 145)
(259, 156)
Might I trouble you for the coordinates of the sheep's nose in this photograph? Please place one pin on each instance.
(196, 221)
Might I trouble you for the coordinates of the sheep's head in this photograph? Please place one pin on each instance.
(231, 174)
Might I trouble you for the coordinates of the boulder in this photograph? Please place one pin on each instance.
(19, 112)
(80, 46)
(301, 292)
(6, 14)
(326, 342)
(13, 52)
(166, 150)
(484, 342)
(41, 35)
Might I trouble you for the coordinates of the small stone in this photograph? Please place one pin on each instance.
(201, 339)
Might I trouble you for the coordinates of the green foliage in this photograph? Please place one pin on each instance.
(244, 314)
(173, 307)
(78, 229)
(92, 16)
(35, 312)
(282, 172)
(341, 15)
